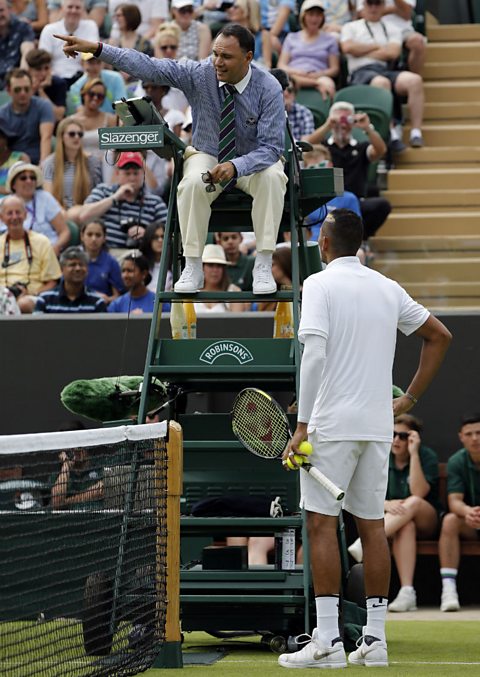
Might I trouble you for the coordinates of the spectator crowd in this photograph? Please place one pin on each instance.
(72, 193)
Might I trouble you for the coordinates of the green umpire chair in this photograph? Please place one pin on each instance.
(377, 102)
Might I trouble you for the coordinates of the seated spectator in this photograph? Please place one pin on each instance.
(79, 484)
(274, 16)
(92, 95)
(93, 70)
(70, 174)
(95, 10)
(463, 520)
(29, 265)
(216, 279)
(240, 270)
(8, 157)
(128, 18)
(44, 213)
(412, 505)
(125, 207)
(247, 14)
(152, 247)
(300, 117)
(354, 158)
(104, 276)
(72, 23)
(398, 15)
(30, 118)
(311, 55)
(8, 302)
(32, 12)
(153, 13)
(166, 43)
(370, 49)
(44, 84)
(195, 37)
(138, 299)
(16, 39)
(71, 295)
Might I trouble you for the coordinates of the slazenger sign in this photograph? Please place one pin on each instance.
(130, 137)
(226, 348)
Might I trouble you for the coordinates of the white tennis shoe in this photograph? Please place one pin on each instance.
(263, 280)
(449, 600)
(315, 655)
(371, 652)
(191, 279)
(406, 600)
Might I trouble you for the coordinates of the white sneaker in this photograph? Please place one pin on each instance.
(190, 281)
(263, 280)
(315, 655)
(449, 600)
(371, 652)
(356, 550)
(406, 600)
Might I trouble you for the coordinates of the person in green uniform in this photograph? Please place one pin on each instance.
(463, 520)
(79, 484)
(412, 506)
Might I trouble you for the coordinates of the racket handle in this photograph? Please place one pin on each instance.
(327, 484)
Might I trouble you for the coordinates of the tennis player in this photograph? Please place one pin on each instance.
(350, 317)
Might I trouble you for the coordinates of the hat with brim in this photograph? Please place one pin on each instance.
(214, 253)
(19, 168)
(86, 56)
(130, 158)
(179, 4)
(310, 4)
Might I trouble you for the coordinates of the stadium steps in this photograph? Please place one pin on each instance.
(431, 240)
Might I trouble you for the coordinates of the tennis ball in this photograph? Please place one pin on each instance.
(297, 459)
(305, 447)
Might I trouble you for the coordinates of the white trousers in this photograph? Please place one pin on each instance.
(267, 188)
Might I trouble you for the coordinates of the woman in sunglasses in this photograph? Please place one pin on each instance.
(91, 117)
(70, 173)
(412, 507)
(44, 214)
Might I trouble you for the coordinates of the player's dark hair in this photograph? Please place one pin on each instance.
(345, 231)
(410, 421)
(471, 417)
(243, 35)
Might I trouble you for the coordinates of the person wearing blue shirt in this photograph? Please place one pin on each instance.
(104, 274)
(136, 277)
(256, 141)
(113, 81)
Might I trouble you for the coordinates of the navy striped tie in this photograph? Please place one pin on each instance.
(226, 140)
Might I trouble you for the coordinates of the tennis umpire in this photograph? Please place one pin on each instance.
(350, 317)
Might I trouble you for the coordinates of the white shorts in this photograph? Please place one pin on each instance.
(359, 468)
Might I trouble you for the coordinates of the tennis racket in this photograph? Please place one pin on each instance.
(261, 425)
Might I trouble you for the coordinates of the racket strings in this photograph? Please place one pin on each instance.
(259, 425)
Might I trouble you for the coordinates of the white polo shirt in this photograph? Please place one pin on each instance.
(63, 66)
(358, 312)
(368, 33)
(394, 20)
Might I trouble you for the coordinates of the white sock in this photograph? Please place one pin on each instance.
(327, 618)
(415, 132)
(376, 615)
(195, 262)
(264, 257)
(408, 588)
(394, 134)
(449, 578)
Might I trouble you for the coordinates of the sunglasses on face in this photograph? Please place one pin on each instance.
(96, 95)
(27, 177)
(74, 134)
(165, 47)
(25, 89)
(401, 436)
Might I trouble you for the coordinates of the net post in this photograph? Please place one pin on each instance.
(170, 655)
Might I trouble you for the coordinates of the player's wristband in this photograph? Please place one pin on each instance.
(98, 51)
(411, 397)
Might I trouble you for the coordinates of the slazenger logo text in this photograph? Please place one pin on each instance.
(236, 350)
(129, 137)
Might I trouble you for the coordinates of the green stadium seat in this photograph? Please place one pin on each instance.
(313, 100)
(74, 233)
(4, 97)
(377, 102)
